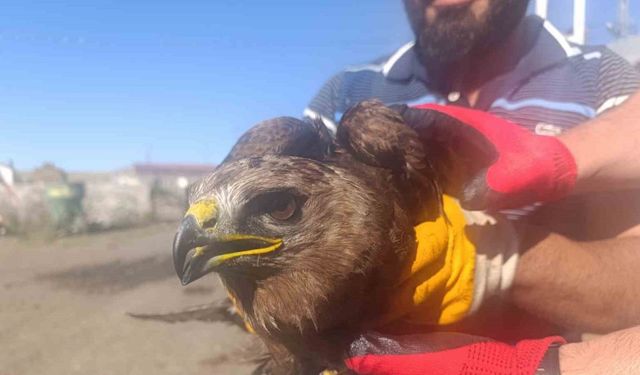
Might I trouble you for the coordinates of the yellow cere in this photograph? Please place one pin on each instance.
(275, 245)
(203, 211)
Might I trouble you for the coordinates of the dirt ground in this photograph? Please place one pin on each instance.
(64, 308)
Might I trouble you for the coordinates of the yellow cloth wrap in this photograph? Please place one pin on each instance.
(436, 285)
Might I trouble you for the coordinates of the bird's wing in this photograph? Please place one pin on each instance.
(222, 311)
(457, 151)
(377, 135)
(283, 136)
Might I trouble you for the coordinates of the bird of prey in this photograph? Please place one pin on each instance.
(308, 231)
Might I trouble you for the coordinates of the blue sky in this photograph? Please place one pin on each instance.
(96, 85)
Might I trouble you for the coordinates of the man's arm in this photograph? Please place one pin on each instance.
(592, 286)
(607, 149)
(586, 286)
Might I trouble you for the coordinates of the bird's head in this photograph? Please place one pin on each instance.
(308, 232)
(293, 239)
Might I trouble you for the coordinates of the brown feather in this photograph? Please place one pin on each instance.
(354, 227)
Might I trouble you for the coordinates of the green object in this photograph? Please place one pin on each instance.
(65, 205)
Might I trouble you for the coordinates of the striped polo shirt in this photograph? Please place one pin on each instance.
(553, 85)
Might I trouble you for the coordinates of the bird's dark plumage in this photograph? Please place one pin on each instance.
(307, 232)
(283, 136)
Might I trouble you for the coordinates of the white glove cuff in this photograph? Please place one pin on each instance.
(497, 255)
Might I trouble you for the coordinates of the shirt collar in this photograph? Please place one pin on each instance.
(547, 47)
(404, 65)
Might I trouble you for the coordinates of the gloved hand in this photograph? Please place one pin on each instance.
(460, 260)
(443, 353)
(506, 166)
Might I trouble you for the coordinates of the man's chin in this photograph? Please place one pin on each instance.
(463, 28)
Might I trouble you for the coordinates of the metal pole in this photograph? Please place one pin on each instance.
(579, 21)
(542, 8)
(623, 17)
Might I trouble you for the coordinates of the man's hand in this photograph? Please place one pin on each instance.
(507, 166)
(616, 353)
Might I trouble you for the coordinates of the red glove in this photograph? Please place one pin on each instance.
(518, 167)
(445, 354)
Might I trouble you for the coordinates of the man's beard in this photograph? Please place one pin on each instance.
(456, 33)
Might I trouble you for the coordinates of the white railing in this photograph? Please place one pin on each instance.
(579, 18)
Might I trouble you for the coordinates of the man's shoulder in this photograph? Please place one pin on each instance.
(367, 74)
(594, 68)
(389, 78)
(565, 76)
(351, 84)
(399, 60)
(610, 77)
(601, 59)
(571, 91)
(373, 66)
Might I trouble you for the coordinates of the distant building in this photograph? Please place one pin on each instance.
(47, 173)
(7, 175)
(7, 180)
(171, 176)
(168, 186)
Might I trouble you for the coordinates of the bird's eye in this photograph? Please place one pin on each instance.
(283, 208)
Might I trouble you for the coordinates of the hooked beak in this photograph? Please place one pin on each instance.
(198, 251)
